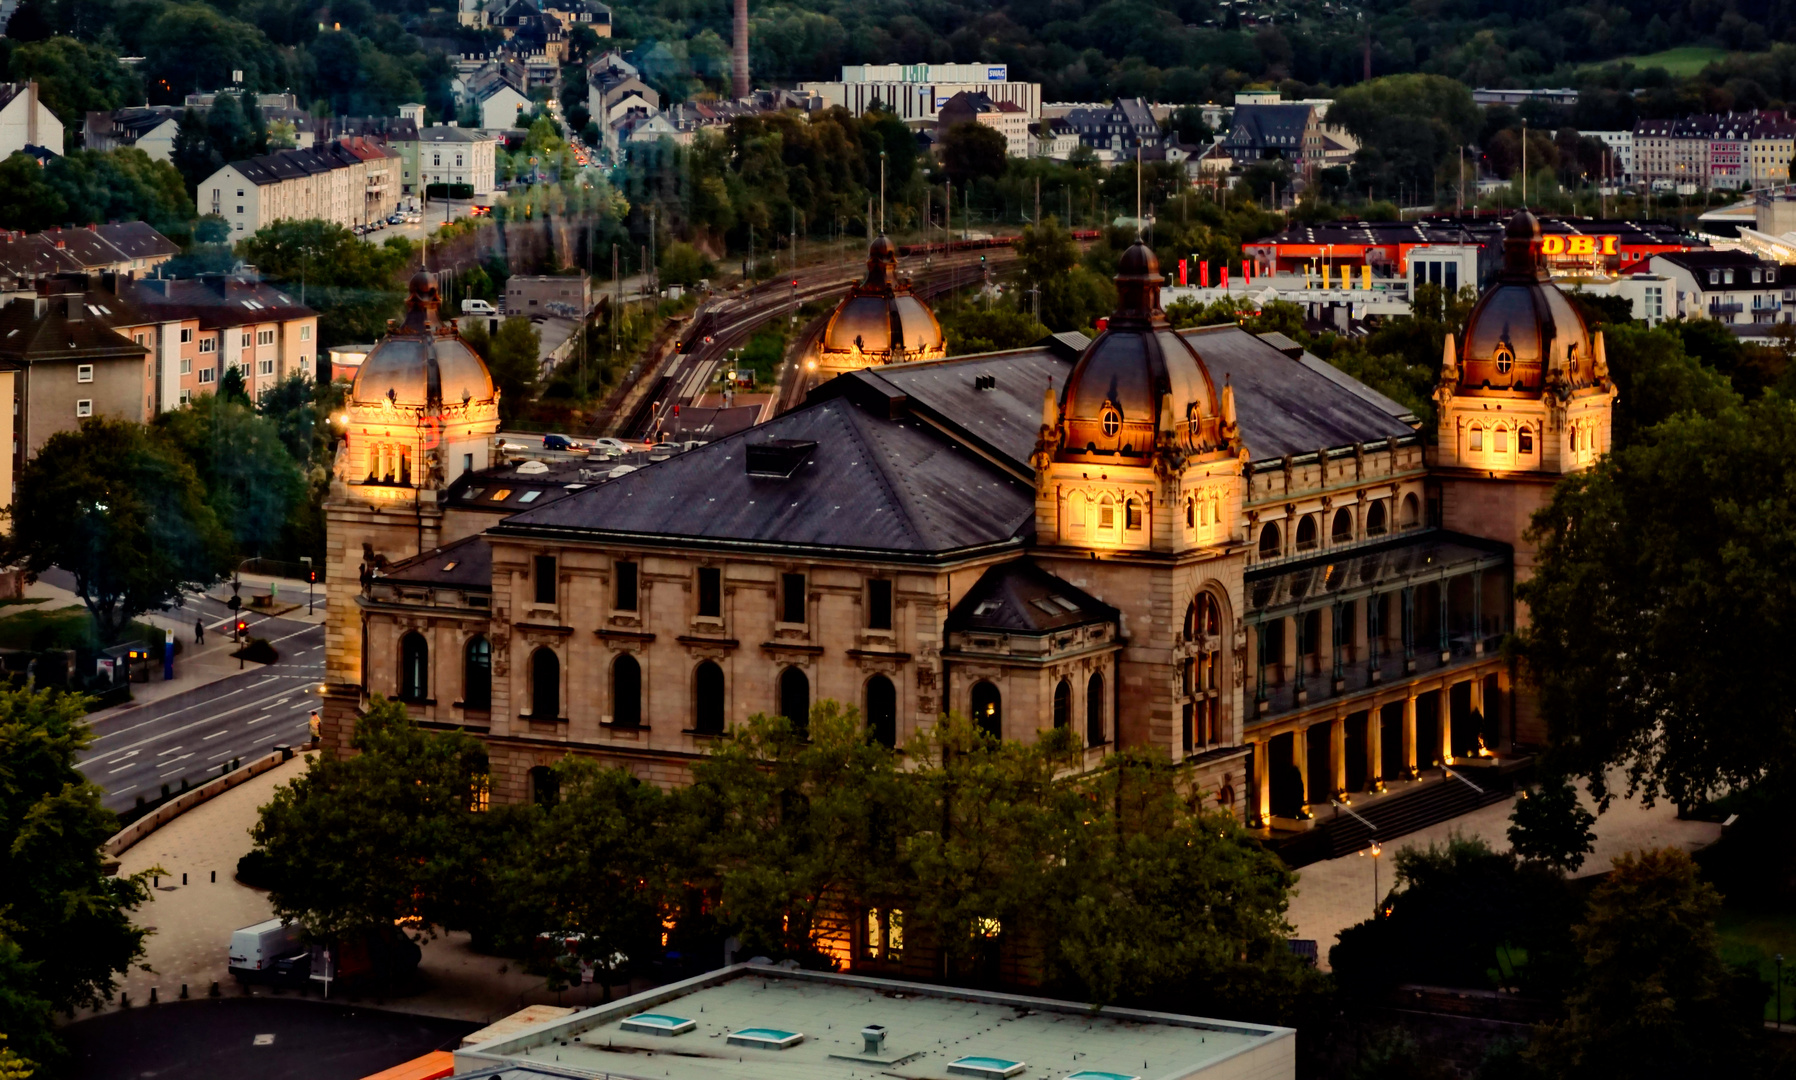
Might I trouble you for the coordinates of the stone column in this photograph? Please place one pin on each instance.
(1445, 724)
(1477, 613)
(1373, 629)
(1335, 641)
(1446, 589)
(1409, 734)
(1259, 693)
(1337, 755)
(1375, 747)
(1262, 783)
(1302, 650)
(1409, 630)
(1300, 752)
(1477, 702)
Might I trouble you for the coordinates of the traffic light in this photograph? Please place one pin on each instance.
(312, 576)
(242, 625)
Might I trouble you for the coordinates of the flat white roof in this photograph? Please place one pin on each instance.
(928, 1029)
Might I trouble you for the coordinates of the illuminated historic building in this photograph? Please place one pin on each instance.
(879, 321)
(1204, 541)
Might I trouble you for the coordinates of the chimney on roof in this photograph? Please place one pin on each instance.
(739, 52)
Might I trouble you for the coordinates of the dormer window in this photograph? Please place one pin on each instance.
(1112, 421)
(1504, 358)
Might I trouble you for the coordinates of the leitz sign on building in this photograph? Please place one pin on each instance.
(1580, 246)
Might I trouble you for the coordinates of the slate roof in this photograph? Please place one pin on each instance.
(1284, 406)
(138, 240)
(26, 336)
(1020, 597)
(1003, 420)
(465, 564)
(217, 301)
(1279, 126)
(891, 486)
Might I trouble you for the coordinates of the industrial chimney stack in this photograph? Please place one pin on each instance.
(739, 53)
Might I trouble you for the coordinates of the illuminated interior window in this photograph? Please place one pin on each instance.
(1477, 442)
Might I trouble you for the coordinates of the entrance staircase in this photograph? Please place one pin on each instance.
(1422, 803)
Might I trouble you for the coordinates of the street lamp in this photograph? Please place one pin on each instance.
(1376, 851)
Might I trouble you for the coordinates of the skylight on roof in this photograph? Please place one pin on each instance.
(1045, 606)
(658, 1024)
(473, 493)
(1065, 604)
(765, 1038)
(986, 607)
(450, 565)
(987, 1068)
(529, 496)
(502, 494)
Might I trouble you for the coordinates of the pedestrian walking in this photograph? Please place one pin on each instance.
(199, 631)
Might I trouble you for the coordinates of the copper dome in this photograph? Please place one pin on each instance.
(422, 363)
(1116, 397)
(880, 319)
(1524, 333)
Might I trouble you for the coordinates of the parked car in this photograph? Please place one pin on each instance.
(610, 445)
(562, 442)
(396, 219)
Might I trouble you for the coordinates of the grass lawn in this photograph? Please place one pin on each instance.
(1681, 62)
(1755, 938)
(67, 627)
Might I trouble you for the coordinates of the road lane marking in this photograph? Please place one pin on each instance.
(261, 718)
(122, 757)
(221, 754)
(120, 769)
(201, 722)
(216, 734)
(170, 750)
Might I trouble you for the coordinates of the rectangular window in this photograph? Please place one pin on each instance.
(710, 592)
(545, 579)
(84, 407)
(305, 332)
(265, 367)
(187, 365)
(208, 344)
(792, 598)
(245, 341)
(139, 339)
(186, 396)
(208, 374)
(84, 373)
(264, 337)
(186, 334)
(1132, 515)
(1524, 441)
(879, 604)
(624, 578)
(1477, 438)
(1502, 441)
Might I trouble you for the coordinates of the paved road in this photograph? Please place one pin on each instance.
(196, 734)
(267, 1038)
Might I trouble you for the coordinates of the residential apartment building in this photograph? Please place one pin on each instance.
(1732, 287)
(1005, 117)
(1771, 143)
(26, 123)
(227, 322)
(124, 247)
(1116, 130)
(349, 182)
(452, 155)
(1289, 131)
(1673, 154)
(1728, 151)
(1620, 167)
(919, 91)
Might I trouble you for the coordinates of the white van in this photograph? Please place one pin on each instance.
(255, 949)
(477, 307)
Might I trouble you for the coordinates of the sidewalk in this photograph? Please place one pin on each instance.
(1333, 895)
(192, 923)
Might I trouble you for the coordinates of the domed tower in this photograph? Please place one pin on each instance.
(1526, 399)
(422, 411)
(879, 321)
(1138, 469)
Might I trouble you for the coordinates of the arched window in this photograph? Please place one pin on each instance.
(882, 711)
(1132, 515)
(1499, 440)
(414, 668)
(1524, 441)
(545, 789)
(1190, 512)
(1203, 621)
(477, 674)
(1342, 533)
(1077, 507)
(1063, 704)
(988, 709)
(1271, 541)
(1306, 533)
(1475, 439)
(707, 698)
(795, 699)
(1375, 523)
(1106, 513)
(626, 691)
(1094, 710)
(545, 685)
(1412, 511)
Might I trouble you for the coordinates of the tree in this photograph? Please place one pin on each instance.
(195, 155)
(65, 923)
(994, 329)
(598, 865)
(1549, 825)
(74, 78)
(973, 151)
(799, 824)
(683, 264)
(1653, 997)
(252, 481)
(122, 511)
(1409, 127)
(354, 285)
(1045, 252)
(391, 835)
(88, 186)
(1658, 603)
(513, 355)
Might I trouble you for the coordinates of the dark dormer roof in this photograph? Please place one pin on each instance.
(465, 564)
(1020, 597)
